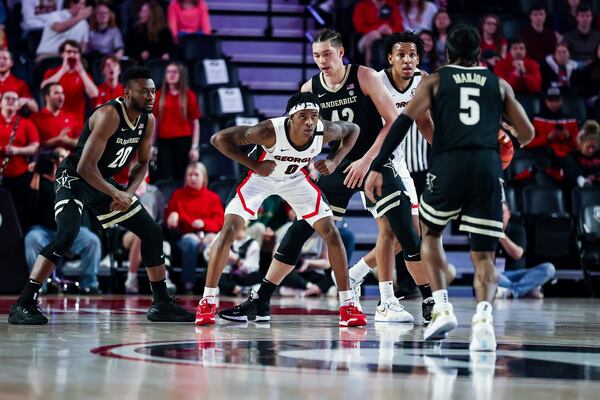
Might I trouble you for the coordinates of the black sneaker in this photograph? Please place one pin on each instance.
(169, 311)
(250, 310)
(90, 291)
(26, 315)
(427, 310)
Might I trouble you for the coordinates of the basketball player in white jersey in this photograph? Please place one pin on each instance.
(284, 148)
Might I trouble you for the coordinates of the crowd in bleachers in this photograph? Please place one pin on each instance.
(62, 58)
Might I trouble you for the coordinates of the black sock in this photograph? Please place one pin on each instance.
(159, 291)
(266, 290)
(30, 293)
(425, 291)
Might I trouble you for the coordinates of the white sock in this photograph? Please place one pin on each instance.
(210, 294)
(440, 297)
(131, 276)
(386, 290)
(345, 296)
(359, 270)
(484, 308)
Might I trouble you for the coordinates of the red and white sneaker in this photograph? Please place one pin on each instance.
(205, 312)
(350, 315)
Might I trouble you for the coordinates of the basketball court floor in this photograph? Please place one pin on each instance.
(104, 348)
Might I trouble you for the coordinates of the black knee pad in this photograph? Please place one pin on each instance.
(290, 248)
(68, 221)
(401, 222)
(151, 236)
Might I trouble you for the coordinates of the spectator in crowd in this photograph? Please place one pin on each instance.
(193, 212)
(66, 25)
(241, 271)
(517, 280)
(429, 61)
(373, 20)
(555, 134)
(312, 276)
(105, 36)
(520, 71)
(558, 69)
(582, 166)
(19, 140)
(56, 127)
(583, 40)
(539, 40)
(441, 26)
(177, 113)
(9, 82)
(73, 77)
(154, 202)
(493, 45)
(588, 83)
(150, 37)
(110, 88)
(36, 13)
(86, 244)
(564, 18)
(417, 15)
(187, 17)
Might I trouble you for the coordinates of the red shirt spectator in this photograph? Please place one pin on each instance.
(539, 40)
(187, 16)
(522, 73)
(10, 83)
(26, 134)
(194, 208)
(75, 81)
(171, 121)
(110, 88)
(57, 128)
(553, 128)
(367, 16)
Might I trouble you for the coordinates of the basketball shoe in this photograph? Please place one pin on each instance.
(392, 311)
(443, 321)
(26, 315)
(205, 312)
(351, 315)
(252, 309)
(427, 308)
(168, 311)
(483, 337)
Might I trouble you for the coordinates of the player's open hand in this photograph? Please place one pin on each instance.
(325, 167)
(121, 201)
(265, 168)
(356, 173)
(373, 185)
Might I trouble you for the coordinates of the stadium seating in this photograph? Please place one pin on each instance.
(574, 105)
(583, 197)
(223, 188)
(217, 165)
(199, 47)
(157, 68)
(588, 243)
(168, 187)
(202, 81)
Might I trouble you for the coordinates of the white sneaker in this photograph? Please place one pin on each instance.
(171, 287)
(483, 337)
(355, 289)
(443, 321)
(392, 311)
(131, 286)
(503, 293)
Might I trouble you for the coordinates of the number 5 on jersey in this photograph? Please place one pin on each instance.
(471, 114)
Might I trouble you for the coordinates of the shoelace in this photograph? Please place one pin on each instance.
(205, 306)
(394, 306)
(352, 309)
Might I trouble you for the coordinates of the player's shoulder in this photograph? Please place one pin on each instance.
(307, 86)
(366, 73)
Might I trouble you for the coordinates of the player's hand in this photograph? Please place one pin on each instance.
(265, 168)
(373, 185)
(356, 173)
(172, 220)
(325, 167)
(198, 224)
(121, 201)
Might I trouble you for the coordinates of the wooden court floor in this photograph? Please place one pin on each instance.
(104, 348)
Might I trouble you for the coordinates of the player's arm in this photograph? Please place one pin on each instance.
(399, 128)
(425, 122)
(347, 133)
(373, 87)
(523, 129)
(307, 86)
(229, 140)
(139, 170)
(103, 124)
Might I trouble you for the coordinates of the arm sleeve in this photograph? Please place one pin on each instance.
(214, 220)
(172, 14)
(173, 204)
(118, 40)
(397, 132)
(206, 28)
(193, 110)
(31, 132)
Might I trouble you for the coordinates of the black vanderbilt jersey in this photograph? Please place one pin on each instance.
(349, 103)
(467, 109)
(120, 147)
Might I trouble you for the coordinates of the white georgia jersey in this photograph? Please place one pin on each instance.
(289, 159)
(401, 100)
